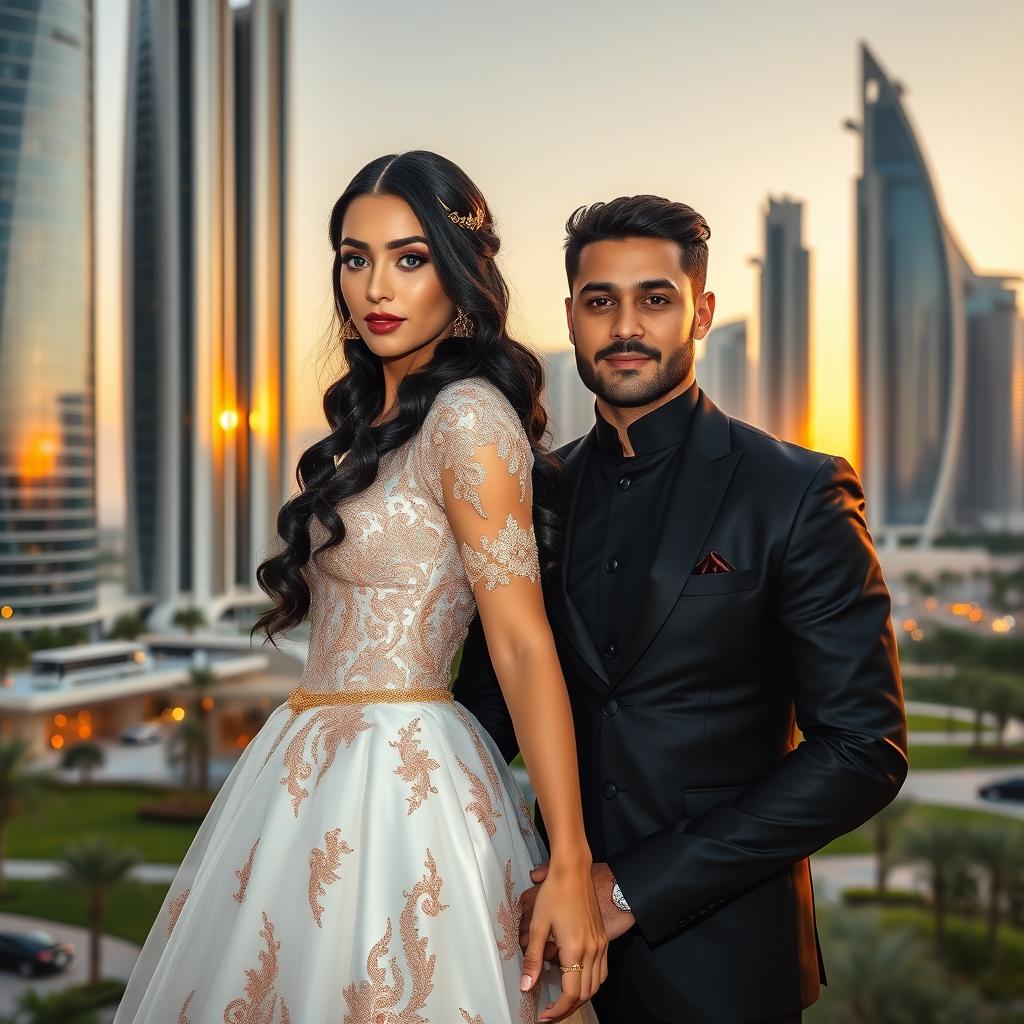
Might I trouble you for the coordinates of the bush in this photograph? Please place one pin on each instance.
(866, 897)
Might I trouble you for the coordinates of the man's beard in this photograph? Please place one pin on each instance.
(631, 391)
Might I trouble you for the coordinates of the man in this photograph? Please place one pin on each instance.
(717, 588)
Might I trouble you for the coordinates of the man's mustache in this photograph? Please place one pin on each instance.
(631, 347)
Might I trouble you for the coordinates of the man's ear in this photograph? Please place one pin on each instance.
(705, 313)
(568, 320)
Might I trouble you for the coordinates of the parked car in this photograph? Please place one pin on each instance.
(34, 952)
(141, 733)
(1003, 789)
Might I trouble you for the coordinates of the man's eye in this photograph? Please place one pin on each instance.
(348, 261)
(657, 300)
(599, 301)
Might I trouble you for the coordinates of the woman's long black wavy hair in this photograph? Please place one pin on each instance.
(465, 264)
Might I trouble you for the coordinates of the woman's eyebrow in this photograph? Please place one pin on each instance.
(399, 242)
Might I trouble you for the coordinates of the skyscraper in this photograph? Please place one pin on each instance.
(48, 525)
(204, 298)
(783, 406)
(934, 345)
(722, 372)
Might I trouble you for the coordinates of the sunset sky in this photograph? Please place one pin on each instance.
(551, 105)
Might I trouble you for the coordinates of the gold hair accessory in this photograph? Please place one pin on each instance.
(463, 325)
(472, 222)
(349, 331)
(566, 970)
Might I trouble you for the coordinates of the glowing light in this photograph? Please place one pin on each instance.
(7, 611)
(228, 419)
(84, 731)
(917, 634)
(57, 742)
(206, 703)
(932, 603)
(38, 457)
(909, 625)
(84, 716)
(139, 656)
(177, 713)
(242, 740)
(60, 720)
(255, 420)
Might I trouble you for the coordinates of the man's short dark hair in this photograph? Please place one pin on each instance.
(640, 217)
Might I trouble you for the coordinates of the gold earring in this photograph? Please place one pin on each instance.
(463, 325)
(349, 331)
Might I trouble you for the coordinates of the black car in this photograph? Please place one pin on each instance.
(1003, 789)
(34, 952)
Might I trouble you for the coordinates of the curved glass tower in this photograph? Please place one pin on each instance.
(911, 343)
(48, 529)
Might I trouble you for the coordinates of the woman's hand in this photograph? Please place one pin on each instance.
(567, 909)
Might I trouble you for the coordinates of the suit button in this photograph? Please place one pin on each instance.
(625, 482)
(611, 705)
(611, 565)
(610, 650)
(608, 790)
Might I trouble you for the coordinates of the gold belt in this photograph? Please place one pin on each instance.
(300, 698)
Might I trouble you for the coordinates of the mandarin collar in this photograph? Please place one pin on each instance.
(664, 427)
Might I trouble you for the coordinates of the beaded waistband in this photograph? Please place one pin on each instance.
(300, 699)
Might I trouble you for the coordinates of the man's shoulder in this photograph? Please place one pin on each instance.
(782, 461)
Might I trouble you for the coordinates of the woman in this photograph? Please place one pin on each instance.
(364, 860)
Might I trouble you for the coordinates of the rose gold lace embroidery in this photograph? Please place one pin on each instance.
(475, 1019)
(375, 1001)
(253, 1007)
(183, 1012)
(509, 915)
(243, 873)
(481, 805)
(529, 1006)
(323, 867)
(486, 759)
(280, 736)
(333, 725)
(467, 421)
(174, 909)
(512, 553)
(416, 764)
(526, 826)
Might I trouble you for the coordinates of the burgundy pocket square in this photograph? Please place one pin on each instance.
(711, 563)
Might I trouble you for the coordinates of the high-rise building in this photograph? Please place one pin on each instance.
(924, 317)
(204, 298)
(722, 371)
(570, 405)
(48, 524)
(783, 404)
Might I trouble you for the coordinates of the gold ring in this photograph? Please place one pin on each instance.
(566, 970)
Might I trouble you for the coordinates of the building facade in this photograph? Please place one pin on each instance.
(722, 371)
(48, 521)
(570, 405)
(204, 308)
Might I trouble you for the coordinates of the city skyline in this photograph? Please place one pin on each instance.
(793, 131)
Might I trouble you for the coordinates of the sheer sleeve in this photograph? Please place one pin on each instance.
(480, 462)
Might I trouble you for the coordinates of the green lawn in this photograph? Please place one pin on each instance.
(69, 813)
(133, 907)
(959, 756)
(937, 723)
(860, 841)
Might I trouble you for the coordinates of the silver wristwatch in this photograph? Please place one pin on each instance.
(618, 899)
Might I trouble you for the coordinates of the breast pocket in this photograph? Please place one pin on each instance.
(720, 583)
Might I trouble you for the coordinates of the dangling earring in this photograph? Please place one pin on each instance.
(463, 325)
(349, 331)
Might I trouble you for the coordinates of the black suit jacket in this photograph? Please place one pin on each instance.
(693, 788)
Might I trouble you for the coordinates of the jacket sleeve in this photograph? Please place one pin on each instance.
(476, 688)
(833, 613)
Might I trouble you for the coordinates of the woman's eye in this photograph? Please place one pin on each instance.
(347, 261)
(417, 260)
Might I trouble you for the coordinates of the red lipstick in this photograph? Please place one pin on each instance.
(383, 323)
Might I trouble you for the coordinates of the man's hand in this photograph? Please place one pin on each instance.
(616, 922)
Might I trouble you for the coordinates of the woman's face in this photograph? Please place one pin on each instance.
(388, 279)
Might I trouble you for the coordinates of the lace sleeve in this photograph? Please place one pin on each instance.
(483, 460)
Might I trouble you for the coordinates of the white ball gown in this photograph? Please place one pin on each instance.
(364, 860)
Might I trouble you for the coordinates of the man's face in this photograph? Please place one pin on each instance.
(633, 320)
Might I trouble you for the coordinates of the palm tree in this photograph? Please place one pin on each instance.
(14, 653)
(83, 757)
(970, 687)
(186, 747)
(883, 826)
(189, 619)
(53, 1008)
(202, 679)
(96, 866)
(20, 787)
(46, 638)
(939, 845)
(996, 848)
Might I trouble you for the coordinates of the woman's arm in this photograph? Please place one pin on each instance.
(484, 462)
